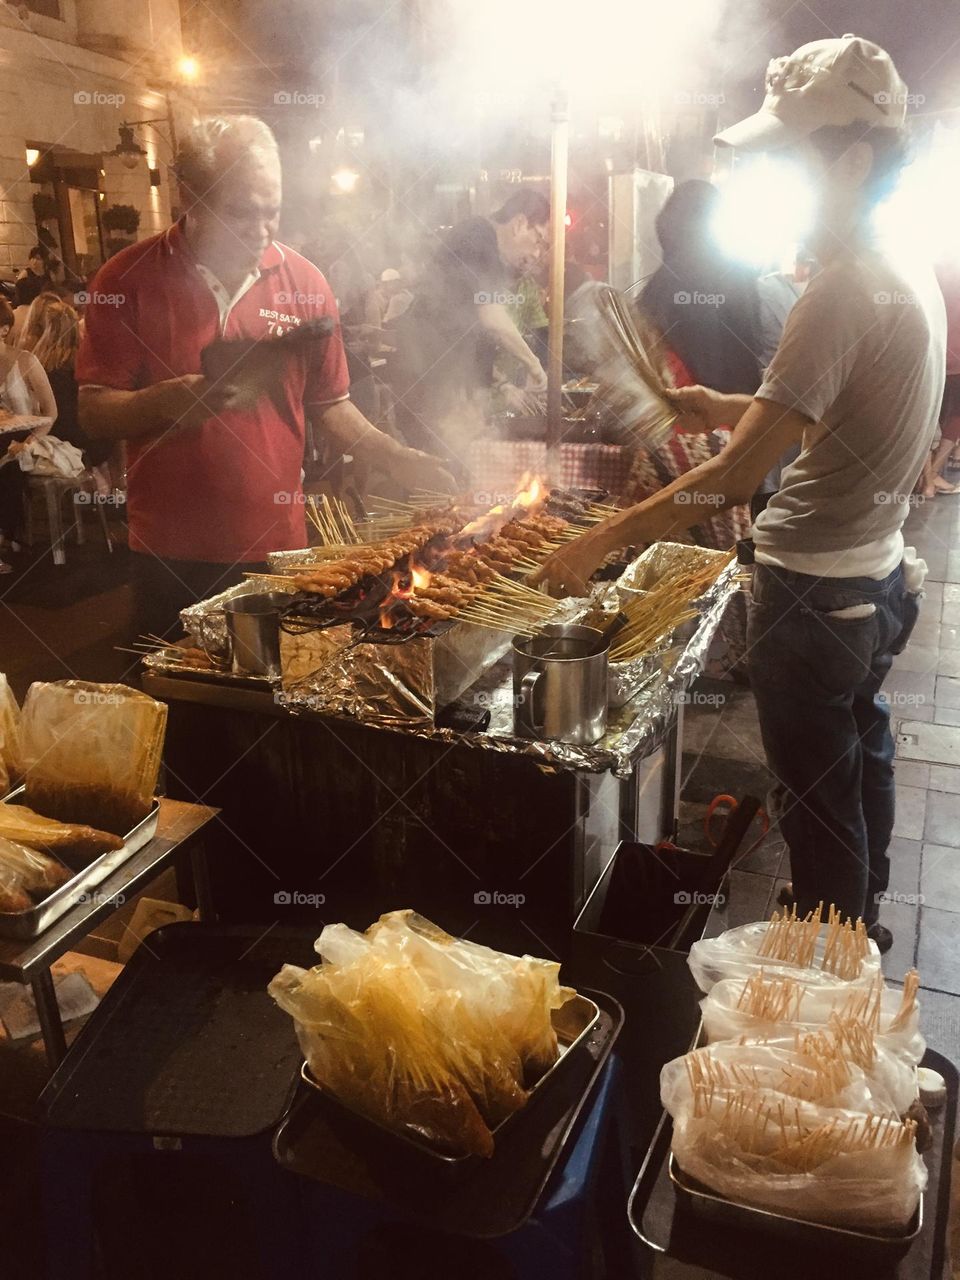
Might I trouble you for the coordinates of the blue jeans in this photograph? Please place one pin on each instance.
(825, 727)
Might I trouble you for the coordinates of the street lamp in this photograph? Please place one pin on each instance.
(188, 68)
(345, 180)
(128, 149)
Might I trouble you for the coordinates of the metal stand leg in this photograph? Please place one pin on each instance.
(201, 881)
(103, 525)
(673, 775)
(55, 522)
(48, 1012)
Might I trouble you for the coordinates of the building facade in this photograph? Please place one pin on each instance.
(74, 71)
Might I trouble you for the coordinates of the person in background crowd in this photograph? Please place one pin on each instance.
(213, 480)
(703, 303)
(857, 380)
(24, 389)
(29, 322)
(391, 297)
(35, 278)
(932, 482)
(56, 350)
(441, 361)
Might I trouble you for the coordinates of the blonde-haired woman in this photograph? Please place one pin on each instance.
(28, 323)
(24, 389)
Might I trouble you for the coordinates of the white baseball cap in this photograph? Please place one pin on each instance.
(827, 82)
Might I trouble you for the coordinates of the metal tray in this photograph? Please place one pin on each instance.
(709, 1205)
(574, 1022)
(31, 923)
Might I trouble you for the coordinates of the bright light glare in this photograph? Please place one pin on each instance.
(188, 67)
(921, 215)
(765, 208)
(345, 180)
(33, 155)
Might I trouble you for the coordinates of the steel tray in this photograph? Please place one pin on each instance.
(573, 1022)
(709, 1205)
(31, 923)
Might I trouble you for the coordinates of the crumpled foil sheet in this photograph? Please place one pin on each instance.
(206, 619)
(401, 687)
(387, 692)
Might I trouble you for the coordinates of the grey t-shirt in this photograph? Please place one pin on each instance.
(862, 357)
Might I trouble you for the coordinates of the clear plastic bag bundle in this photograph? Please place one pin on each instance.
(765, 1005)
(11, 749)
(421, 1032)
(27, 876)
(92, 752)
(815, 1067)
(800, 1159)
(786, 945)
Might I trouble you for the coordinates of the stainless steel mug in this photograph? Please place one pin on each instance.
(253, 632)
(560, 684)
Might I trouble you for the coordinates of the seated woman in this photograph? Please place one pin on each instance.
(24, 389)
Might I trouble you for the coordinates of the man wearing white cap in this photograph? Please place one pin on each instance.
(856, 382)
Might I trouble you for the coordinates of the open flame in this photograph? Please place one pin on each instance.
(531, 494)
(403, 586)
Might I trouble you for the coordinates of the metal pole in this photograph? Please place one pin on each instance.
(559, 156)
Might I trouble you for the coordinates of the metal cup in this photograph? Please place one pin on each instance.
(253, 632)
(560, 684)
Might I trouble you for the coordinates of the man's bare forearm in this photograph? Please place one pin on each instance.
(355, 435)
(108, 414)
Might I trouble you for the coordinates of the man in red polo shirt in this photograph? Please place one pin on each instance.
(213, 484)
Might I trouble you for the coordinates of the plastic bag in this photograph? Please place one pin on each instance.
(813, 999)
(27, 876)
(11, 749)
(803, 1160)
(423, 1033)
(92, 752)
(790, 1067)
(735, 954)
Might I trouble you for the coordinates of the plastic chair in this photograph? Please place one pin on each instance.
(84, 493)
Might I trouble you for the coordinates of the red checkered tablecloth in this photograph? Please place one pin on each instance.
(498, 466)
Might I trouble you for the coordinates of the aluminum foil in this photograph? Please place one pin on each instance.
(400, 688)
(659, 681)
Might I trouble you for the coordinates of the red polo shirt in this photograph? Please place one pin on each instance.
(229, 491)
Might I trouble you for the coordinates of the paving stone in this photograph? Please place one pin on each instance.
(910, 812)
(935, 743)
(911, 773)
(901, 920)
(905, 858)
(943, 818)
(943, 778)
(937, 952)
(940, 878)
